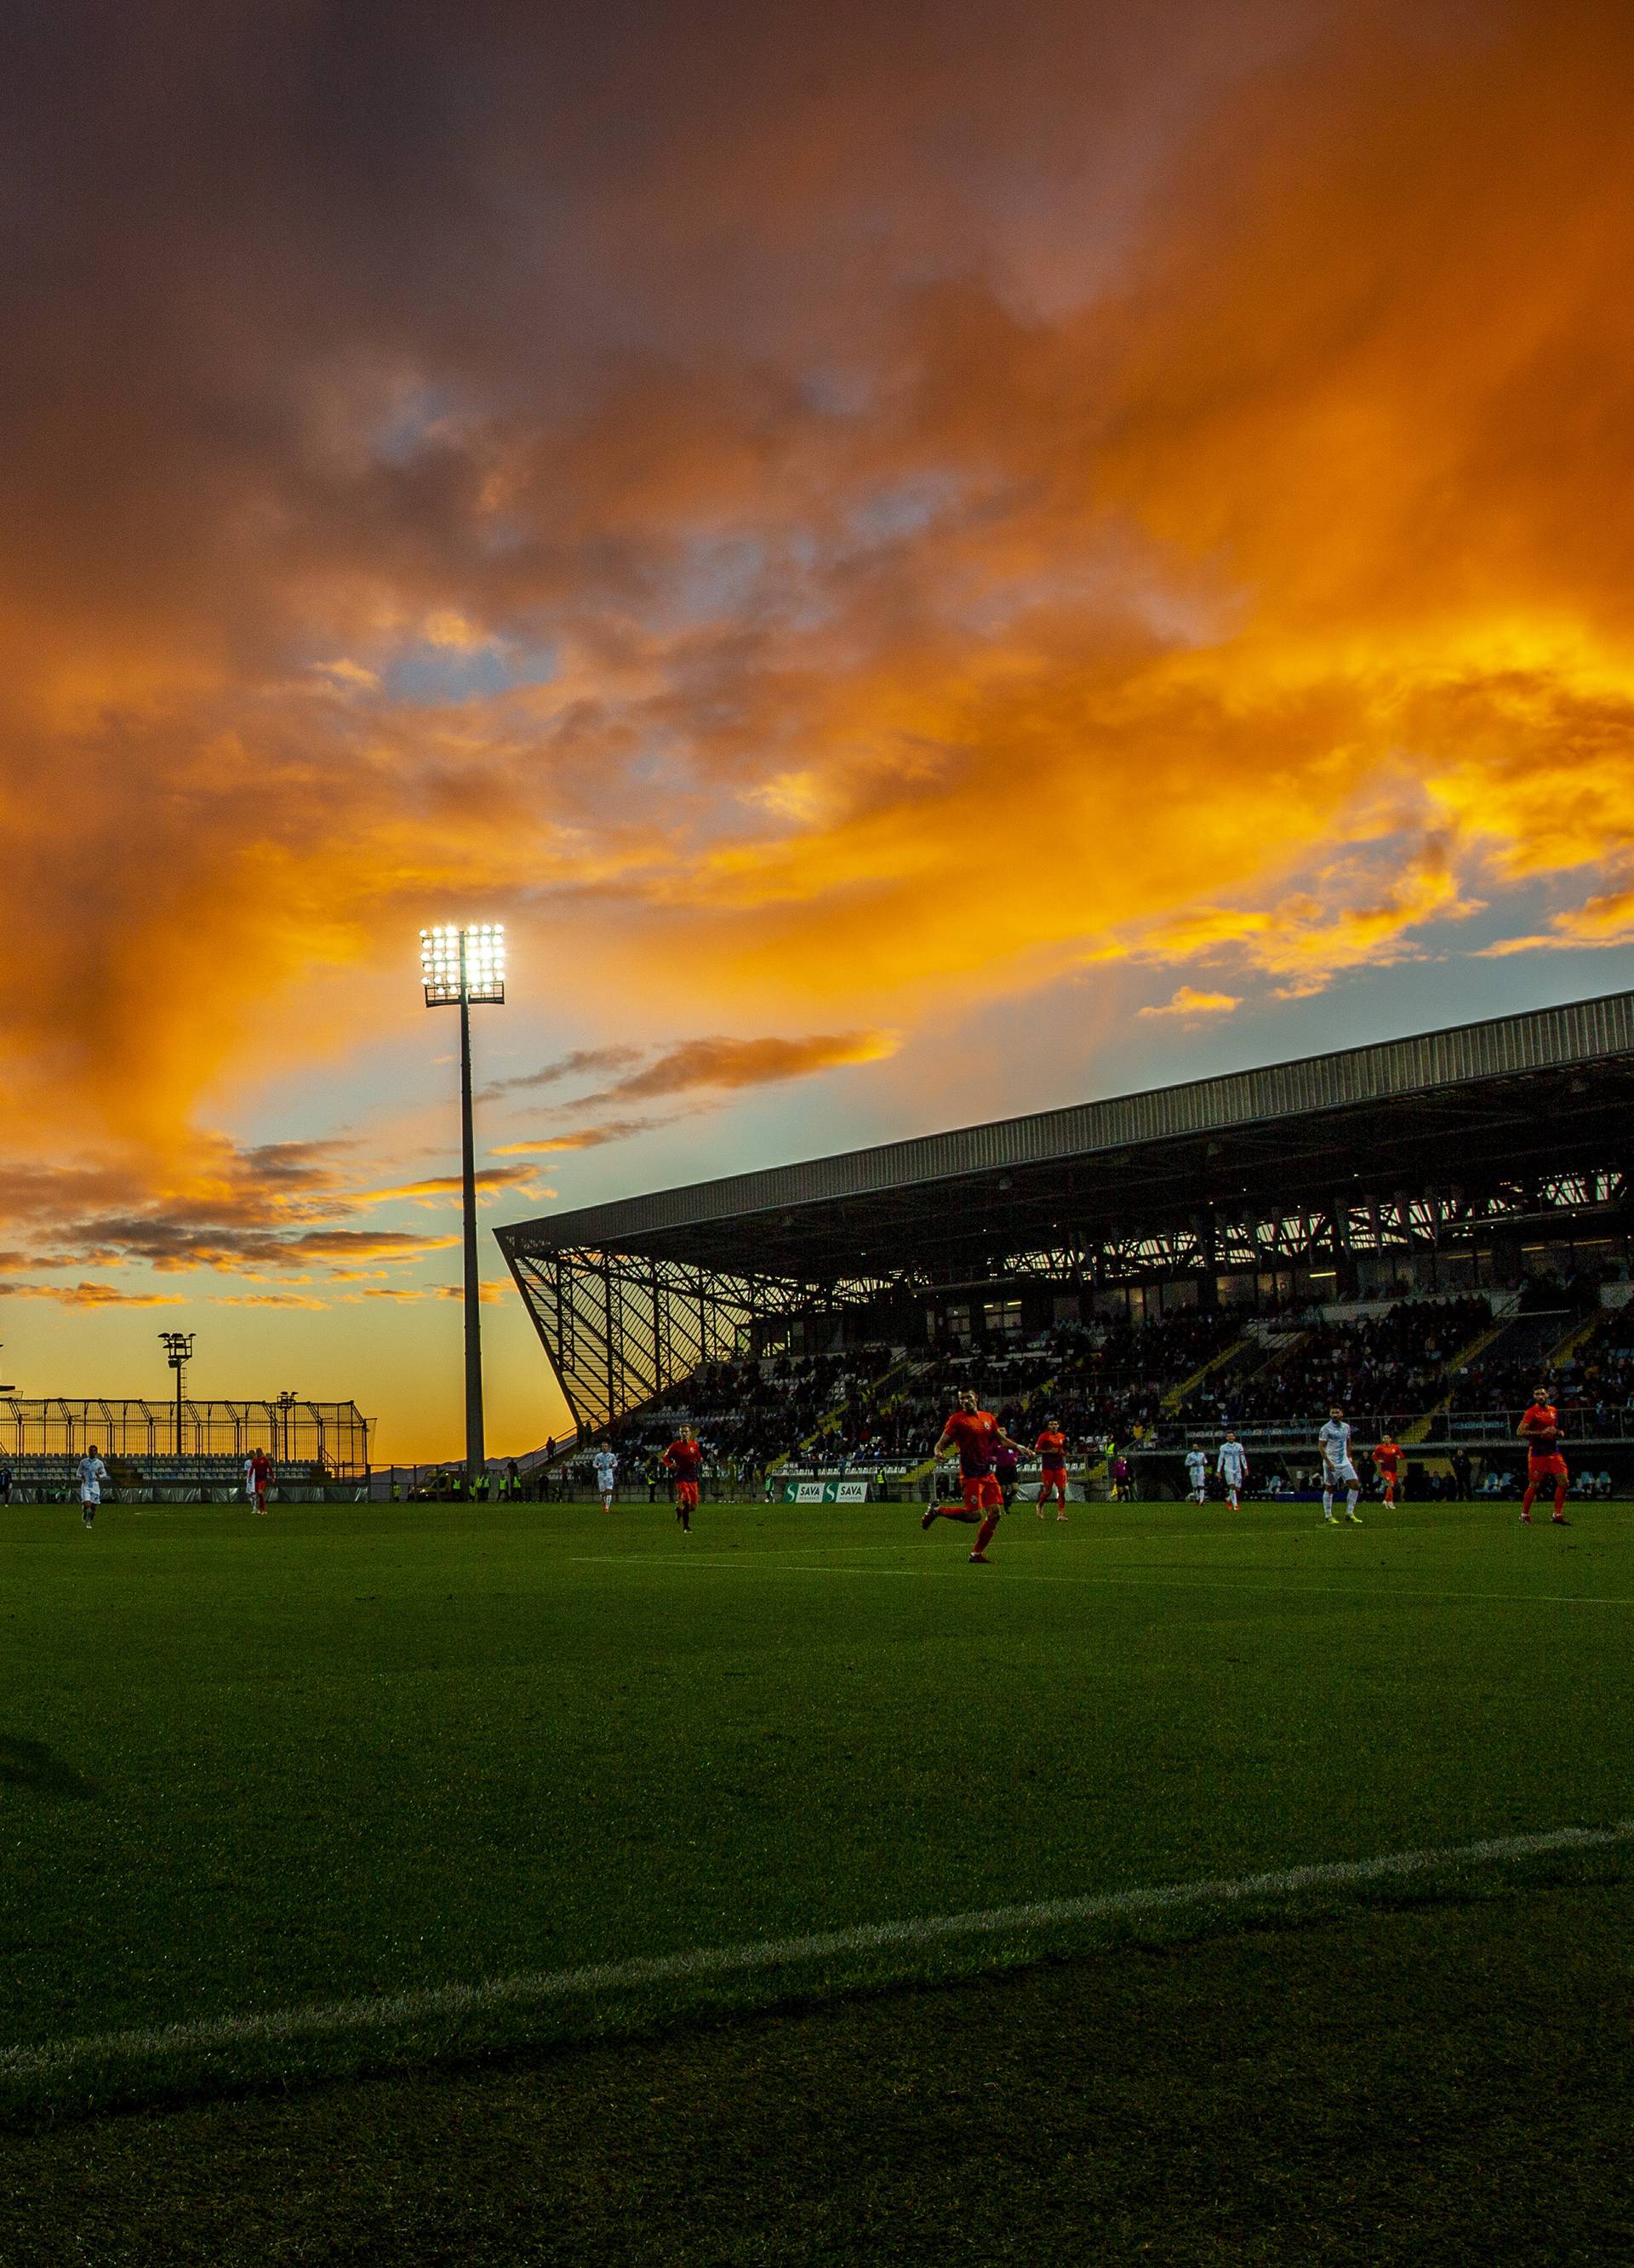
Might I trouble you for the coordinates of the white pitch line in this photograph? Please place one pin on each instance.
(59, 2059)
(1135, 1582)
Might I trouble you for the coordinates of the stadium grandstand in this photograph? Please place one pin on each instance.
(1420, 1229)
(154, 1451)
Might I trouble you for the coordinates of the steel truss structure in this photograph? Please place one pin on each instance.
(621, 1329)
(1432, 1222)
(1483, 1143)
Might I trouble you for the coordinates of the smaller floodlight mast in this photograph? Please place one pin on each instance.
(178, 1347)
(465, 969)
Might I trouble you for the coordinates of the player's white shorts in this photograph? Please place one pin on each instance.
(89, 1493)
(1346, 1472)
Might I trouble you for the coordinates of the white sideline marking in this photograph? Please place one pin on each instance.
(929, 1569)
(57, 2058)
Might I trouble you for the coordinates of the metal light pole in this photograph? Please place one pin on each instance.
(465, 969)
(283, 1433)
(178, 1353)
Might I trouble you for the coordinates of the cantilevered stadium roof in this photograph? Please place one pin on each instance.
(1473, 1117)
(1515, 1092)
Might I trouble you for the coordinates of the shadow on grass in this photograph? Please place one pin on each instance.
(30, 1764)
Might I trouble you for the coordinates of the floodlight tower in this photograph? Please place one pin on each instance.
(178, 1353)
(285, 1425)
(465, 969)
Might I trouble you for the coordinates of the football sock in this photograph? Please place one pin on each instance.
(1525, 1501)
(1350, 1503)
(1560, 1501)
(1326, 1504)
(984, 1533)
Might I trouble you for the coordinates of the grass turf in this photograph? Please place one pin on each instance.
(249, 1763)
(1439, 2083)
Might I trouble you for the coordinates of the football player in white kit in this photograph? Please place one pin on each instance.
(606, 1467)
(1334, 1441)
(92, 1473)
(1197, 1473)
(1232, 1465)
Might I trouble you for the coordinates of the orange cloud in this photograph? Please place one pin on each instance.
(1599, 922)
(1187, 1001)
(436, 1188)
(718, 1065)
(1195, 532)
(581, 1137)
(86, 1294)
(266, 1299)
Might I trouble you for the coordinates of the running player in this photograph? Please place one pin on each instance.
(1197, 1473)
(1391, 1465)
(1232, 1465)
(976, 1433)
(1334, 1441)
(685, 1459)
(1007, 1465)
(604, 1464)
(1540, 1430)
(257, 1478)
(92, 1473)
(1052, 1449)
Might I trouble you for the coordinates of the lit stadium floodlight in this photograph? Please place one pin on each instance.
(464, 963)
(463, 968)
(178, 1347)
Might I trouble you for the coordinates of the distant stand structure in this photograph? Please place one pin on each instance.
(331, 1440)
(1459, 1160)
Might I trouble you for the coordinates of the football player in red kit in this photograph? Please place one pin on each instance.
(1540, 1430)
(1052, 1449)
(1392, 1468)
(976, 1433)
(685, 1459)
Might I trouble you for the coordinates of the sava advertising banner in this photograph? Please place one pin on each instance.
(825, 1492)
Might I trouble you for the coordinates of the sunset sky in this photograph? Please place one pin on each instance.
(928, 561)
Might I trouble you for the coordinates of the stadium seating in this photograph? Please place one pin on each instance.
(1389, 1367)
(1151, 1387)
(1154, 1387)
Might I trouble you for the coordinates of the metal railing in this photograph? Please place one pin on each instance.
(330, 1435)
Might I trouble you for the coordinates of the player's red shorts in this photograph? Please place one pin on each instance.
(983, 1493)
(1550, 1467)
(687, 1493)
(1054, 1482)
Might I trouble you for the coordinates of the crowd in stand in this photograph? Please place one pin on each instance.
(1107, 1383)
(1393, 1362)
(1593, 1386)
(747, 1411)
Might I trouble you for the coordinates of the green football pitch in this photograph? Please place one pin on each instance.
(358, 1794)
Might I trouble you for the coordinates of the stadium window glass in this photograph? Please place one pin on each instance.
(1002, 1318)
(959, 1322)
